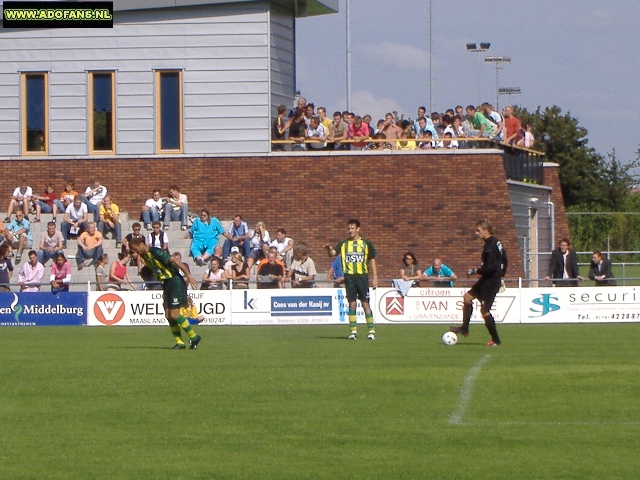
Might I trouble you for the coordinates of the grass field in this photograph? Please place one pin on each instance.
(553, 402)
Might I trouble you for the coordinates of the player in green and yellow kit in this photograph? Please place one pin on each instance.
(167, 270)
(358, 259)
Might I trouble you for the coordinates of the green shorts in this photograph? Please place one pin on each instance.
(357, 287)
(175, 293)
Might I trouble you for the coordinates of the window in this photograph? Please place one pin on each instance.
(35, 134)
(169, 111)
(101, 112)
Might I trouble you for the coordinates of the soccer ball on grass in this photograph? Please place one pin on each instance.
(449, 339)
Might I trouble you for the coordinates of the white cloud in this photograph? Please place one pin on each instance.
(394, 55)
(364, 102)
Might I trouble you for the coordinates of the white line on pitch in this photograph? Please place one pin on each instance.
(465, 392)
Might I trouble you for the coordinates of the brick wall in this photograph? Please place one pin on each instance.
(426, 203)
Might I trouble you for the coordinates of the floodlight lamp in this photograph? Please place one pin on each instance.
(484, 45)
(471, 46)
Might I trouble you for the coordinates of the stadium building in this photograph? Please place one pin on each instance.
(184, 92)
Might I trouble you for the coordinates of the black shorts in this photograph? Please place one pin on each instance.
(357, 287)
(485, 290)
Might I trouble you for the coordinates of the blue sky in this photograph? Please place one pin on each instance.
(583, 56)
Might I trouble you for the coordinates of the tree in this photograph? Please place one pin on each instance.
(564, 141)
(616, 183)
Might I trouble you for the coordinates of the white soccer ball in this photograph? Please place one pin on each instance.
(449, 339)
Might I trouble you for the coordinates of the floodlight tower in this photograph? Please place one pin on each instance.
(496, 62)
(473, 48)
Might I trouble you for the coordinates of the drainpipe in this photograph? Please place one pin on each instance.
(552, 227)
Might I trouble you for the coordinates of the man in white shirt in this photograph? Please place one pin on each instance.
(284, 246)
(152, 209)
(31, 273)
(316, 131)
(75, 219)
(303, 270)
(21, 199)
(93, 197)
(176, 208)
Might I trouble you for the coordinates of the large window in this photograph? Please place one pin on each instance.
(35, 106)
(101, 112)
(169, 111)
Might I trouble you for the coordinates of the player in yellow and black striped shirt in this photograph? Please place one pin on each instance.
(358, 259)
(167, 269)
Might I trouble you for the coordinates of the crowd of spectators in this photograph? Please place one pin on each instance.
(308, 128)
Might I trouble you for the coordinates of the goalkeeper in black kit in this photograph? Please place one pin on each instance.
(491, 271)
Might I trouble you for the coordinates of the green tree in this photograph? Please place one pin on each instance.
(564, 141)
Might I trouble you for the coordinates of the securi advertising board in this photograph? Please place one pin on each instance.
(441, 305)
(146, 307)
(580, 305)
(42, 309)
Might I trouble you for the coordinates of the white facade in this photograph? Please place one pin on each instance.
(236, 59)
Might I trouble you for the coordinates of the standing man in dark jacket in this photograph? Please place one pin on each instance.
(563, 266)
(491, 271)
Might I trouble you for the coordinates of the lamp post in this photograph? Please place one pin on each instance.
(509, 91)
(496, 62)
(348, 59)
(473, 48)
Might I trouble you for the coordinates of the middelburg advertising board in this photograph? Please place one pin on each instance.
(42, 309)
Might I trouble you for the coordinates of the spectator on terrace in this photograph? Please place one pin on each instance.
(236, 236)
(367, 121)
(176, 207)
(303, 270)
(239, 271)
(279, 129)
(528, 139)
(512, 126)
(447, 142)
(309, 110)
(406, 142)
(157, 238)
(119, 275)
(205, 232)
(110, 220)
(214, 277)
(19, 234)
(75, 219)
(389, 129)
(89, 246)
(126, 243)
(60, 277)
(302, 103)
(316, 131)
(480, 126)
(425, 141)
(101, 275)
(324, 120)
(358, 131)
(45, 203)
(51, 243)
(409, 270)
(460, 113)
(6, 268)
(338, 132)
(21, 199)
(153, 209)
(270, 274)
(259, 241)
(436, 118)
(284, 247)
(496, 118)
(297, 130)
(31, 273)
(93, 196)
(66, 198)
(425, 125)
